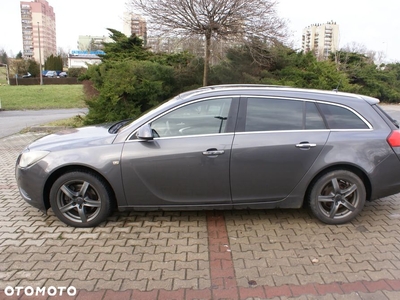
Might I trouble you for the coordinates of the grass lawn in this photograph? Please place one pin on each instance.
(41, 96)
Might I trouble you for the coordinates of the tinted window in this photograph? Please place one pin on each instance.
(273, 114)
(339, 117)
(204, 117)
(314, 119)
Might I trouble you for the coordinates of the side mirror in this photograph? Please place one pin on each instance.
(145, 133)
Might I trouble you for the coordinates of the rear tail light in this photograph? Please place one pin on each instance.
(394, 138)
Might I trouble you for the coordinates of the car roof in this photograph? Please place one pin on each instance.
(277, 91)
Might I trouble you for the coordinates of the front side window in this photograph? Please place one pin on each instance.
(203, 117)
(339, 117)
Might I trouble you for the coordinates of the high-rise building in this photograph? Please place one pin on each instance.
(38, 22)
(135, 24)
(322, 39)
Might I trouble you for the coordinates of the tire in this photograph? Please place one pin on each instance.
(81, 199)
(337, 197)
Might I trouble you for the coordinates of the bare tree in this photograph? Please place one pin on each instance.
(371, 56)
(3, 56)
(18, 67)
(64, 55)
(355, 47)
(241, 20)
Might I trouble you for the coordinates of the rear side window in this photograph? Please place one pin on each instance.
(338, 117)
(264, 114)
(314, 119)
(273, 114)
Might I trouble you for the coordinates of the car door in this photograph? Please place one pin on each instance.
(187, 162)
(276, 142)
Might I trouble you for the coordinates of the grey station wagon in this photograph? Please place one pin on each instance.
(221, 147)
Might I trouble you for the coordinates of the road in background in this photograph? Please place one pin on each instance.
(393, 110)
(14, 121)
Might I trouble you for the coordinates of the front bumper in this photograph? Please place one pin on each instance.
(30, 183)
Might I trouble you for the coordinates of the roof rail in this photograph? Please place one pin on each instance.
(240, 85)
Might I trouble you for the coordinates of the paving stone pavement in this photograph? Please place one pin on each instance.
(271, 254)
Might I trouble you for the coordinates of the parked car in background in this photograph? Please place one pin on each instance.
(63, 74)
(221, 147)
(51, 74)
(27, 75)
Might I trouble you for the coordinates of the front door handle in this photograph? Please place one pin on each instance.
(213, 152)
(305, 145)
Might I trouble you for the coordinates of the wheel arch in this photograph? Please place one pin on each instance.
(359, 172)
(66, 169)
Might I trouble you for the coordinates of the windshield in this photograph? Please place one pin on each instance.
(143, 115)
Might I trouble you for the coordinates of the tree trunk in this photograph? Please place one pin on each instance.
(207, 59)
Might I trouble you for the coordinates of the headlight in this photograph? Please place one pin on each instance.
(29, 158)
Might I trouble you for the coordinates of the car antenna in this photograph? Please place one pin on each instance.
(337, 88)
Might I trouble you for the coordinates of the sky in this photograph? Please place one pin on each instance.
(374, 25)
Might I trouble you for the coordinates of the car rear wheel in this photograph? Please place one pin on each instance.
(80, 199)
(337, 197)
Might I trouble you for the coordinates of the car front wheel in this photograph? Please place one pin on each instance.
(337, 197)
(80, 199)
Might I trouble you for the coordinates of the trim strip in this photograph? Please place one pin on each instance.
(185, 136)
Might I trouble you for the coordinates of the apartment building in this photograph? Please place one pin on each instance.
(135, 24)
(38, 22)
(321, 39)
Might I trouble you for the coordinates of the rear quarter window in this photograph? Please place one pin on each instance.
(338, 117)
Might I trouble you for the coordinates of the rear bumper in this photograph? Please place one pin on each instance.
(385, 179)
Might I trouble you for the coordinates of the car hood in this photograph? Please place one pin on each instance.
(75, 138)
